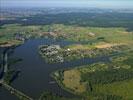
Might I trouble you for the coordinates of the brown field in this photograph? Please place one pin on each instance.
(72, 81)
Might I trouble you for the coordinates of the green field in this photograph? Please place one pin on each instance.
(87, 35)
(112, 80)
(123, 89)
(90, 41)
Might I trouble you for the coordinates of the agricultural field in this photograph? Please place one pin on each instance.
(84, 35)
(90, 42)
(15, 34)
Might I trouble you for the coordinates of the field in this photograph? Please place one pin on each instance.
(89, 42)
(84, 35)
(72, 80)
(15, 34)
(123, 89)
(100, 80)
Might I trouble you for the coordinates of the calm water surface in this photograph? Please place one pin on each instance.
(35, 72)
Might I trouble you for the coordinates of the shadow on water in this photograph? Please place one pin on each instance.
(13, 61)
(15, 76)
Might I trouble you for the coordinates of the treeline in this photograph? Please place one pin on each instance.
(100, 96)
(104, 77)
(80, 19)
(50, 96)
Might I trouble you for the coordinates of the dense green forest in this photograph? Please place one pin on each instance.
(107, 19)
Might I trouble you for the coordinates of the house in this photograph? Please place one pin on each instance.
(20, 37)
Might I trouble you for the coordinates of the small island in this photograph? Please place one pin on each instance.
(51, 53)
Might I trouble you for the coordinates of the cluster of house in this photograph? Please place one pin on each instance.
(21, 37)
(52, 52)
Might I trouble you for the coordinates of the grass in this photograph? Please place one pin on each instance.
(51, 96)
(112, 80)
(74, 33)
(7, 33)
(123, 88)
(72, 81)
(92, 41)
(87, 35)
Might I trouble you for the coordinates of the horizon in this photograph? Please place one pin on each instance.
(107, 4)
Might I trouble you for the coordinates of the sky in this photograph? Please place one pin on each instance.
(68, 3)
